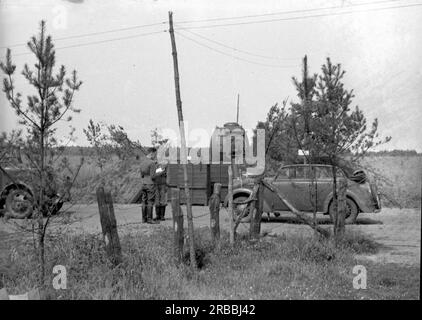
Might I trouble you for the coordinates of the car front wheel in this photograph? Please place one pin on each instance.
(351, 211)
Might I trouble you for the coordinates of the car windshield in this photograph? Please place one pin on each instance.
(285, 173)
(302, 172)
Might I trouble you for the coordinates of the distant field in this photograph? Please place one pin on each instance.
(399, 179)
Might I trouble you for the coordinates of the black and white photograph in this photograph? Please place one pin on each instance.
(213, 156)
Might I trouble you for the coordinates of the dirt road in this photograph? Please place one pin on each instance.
(397, 231)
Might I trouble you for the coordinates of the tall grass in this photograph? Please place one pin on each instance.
(283, 267)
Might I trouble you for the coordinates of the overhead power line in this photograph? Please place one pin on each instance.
(286, 12)
(205, 20)
(93, 33)
(100, 41)
(235, 57)
(235, 18)
(303, 17)
(236, 49)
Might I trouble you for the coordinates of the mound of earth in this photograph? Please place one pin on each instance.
(122, 179)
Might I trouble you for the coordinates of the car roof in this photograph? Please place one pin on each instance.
(307, 165)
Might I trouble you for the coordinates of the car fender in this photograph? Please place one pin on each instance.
(349, 194)
(245, 191)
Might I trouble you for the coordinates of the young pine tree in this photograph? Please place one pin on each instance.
(340, 132)
(42, 113)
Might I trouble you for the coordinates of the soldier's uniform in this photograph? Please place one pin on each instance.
(161, 193)
(148, 169)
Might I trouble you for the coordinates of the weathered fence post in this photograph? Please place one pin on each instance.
(256, 207)
(109, 226)
(214, 205)
(177, 224)
(339, 221)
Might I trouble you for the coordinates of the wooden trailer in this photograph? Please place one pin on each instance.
(201, 177)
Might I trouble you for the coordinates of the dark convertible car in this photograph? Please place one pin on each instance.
(294, 181)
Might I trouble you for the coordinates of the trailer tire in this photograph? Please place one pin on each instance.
(19, 203)
(238, 208)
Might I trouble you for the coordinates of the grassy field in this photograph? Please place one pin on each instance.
(274, 268)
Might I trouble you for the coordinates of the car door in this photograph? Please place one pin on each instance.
(272, 199)
(295, 187)
(324, 178)
(325, 184)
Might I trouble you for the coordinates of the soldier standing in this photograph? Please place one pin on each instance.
(148, 172)
(161, 193)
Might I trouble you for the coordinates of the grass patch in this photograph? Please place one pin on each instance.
(359, 243)
(286, 267)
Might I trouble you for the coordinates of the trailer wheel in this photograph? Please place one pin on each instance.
(19, 203)
(239, 207)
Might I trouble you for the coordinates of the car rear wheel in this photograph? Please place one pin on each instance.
(19, 204)
(351, 211)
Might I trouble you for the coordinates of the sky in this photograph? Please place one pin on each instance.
(128, 74)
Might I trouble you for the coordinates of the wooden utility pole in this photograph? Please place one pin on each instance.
(309, 157)
(183, 155)
(177, 224)
(237, 115)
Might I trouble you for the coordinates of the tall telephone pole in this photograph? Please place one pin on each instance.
(237, 115)
(183, 153)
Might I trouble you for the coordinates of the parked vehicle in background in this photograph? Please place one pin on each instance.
(17, 193)
(295, 182)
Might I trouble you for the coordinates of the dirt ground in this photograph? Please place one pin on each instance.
(398, 231)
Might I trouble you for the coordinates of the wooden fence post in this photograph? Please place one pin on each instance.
(214, 205)
(256, 208)
(177, 224)
(109, 226)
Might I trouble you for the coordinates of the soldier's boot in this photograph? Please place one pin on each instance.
(157, 213)
(163, 213)
(144, 214)
(149, 215)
